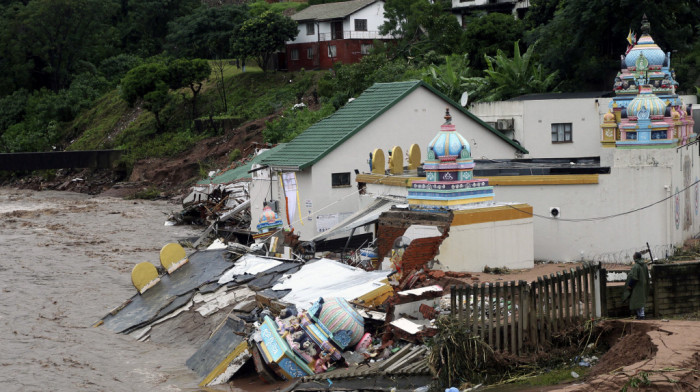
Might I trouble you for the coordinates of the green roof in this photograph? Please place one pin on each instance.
(324, 136)
(240, 172)
(331, 10)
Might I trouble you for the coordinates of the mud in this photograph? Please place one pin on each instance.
(65, 262)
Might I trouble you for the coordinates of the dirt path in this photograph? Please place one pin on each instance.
(66, 261)
(674, 367)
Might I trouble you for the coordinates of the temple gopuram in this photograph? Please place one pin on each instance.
(449, 170)
(646, 112)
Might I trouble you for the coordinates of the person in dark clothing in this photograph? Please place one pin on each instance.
(638, 285)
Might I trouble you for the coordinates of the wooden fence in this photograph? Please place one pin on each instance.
(519, 317)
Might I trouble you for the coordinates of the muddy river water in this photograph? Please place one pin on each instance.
(65, 261)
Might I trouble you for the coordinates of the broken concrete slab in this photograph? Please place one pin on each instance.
(203, 267)
(223, 354)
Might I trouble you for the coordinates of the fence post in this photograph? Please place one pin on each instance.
(534, 317)
(555, 320)
(497, 315)
(560, 302)
(484, 324)
(584, 277)
(523, 313)
(475, 309)
(567, 300)
(453, 300)
(604, 292)
(544, 300)
(574, 297)
(490, 314)
(513, 319)
(595, 294)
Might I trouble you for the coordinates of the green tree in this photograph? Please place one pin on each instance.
(144, 23)
(155, 101)
(449, 77)
(511, 77)
(206, 33)
(420, 26)
(485, 34)
(584, 39)
(57, 35)
(188, 73)
(142, 80)
(261, 36)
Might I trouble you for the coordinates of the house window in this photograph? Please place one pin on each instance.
(561, 133)
(331, 51)
(360, 24)
(365, 48)
(310, 30)
(295, 54)
(340, 180)
(310, 53)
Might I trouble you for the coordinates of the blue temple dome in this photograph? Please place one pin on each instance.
(647, 47)
(448, 142)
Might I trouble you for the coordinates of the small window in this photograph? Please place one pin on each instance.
(360, 24)
(340, 180)
(310, 29)
(561, 133)
(365, 48)
(331, 51)
(310, 53)
(295, 54)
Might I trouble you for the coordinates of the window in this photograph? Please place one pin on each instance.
(295, 54)
(365, 48)
(331, 51)
(360, 24)
(310, 30)
(561, 133)
(339, 180)
(310, 53)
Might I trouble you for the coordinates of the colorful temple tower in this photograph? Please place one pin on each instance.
(268, 224)
(449, 167)
(646, 112)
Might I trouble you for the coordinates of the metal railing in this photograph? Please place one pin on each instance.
(351, 35)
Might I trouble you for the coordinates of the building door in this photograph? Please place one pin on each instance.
(337, 30)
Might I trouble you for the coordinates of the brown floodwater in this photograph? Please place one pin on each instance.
(65, 262)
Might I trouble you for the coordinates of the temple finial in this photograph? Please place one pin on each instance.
(646, 26)
(448, 117)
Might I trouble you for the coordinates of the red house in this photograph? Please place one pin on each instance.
(335, 32)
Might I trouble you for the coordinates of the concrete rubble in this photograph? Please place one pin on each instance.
(235, 304)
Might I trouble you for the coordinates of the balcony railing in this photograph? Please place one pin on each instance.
(352, 35)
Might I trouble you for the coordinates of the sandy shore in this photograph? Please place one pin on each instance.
(66, 262)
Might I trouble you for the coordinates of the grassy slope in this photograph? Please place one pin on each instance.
(251, 95)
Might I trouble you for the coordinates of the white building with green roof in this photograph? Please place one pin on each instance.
(312, 178)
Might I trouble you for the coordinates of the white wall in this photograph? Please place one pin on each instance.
(494, 244)
(638, 178)
(415, 119)
(374, 13)
(533, 121)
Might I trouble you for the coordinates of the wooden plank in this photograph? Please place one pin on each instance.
(533, 317)
(560, 301)
(513, 319)
(574, 304)
(553, 298)
(547, 321)
(604, 291)
(497, 315)
(467, 301)
(594, 295)
(584, 278)
(567, 300)
(490, 316)
(453, 299)
(523, 309)
(475, 308)
(579, 291)
(484, 324)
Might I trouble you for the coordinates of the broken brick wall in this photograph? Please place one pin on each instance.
(393, 224)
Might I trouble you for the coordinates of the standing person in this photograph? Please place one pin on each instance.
(638, 285)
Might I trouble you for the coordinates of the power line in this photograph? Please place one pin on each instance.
(607, 216)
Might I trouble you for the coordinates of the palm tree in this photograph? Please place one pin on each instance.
(507, 78)
(448, 77)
